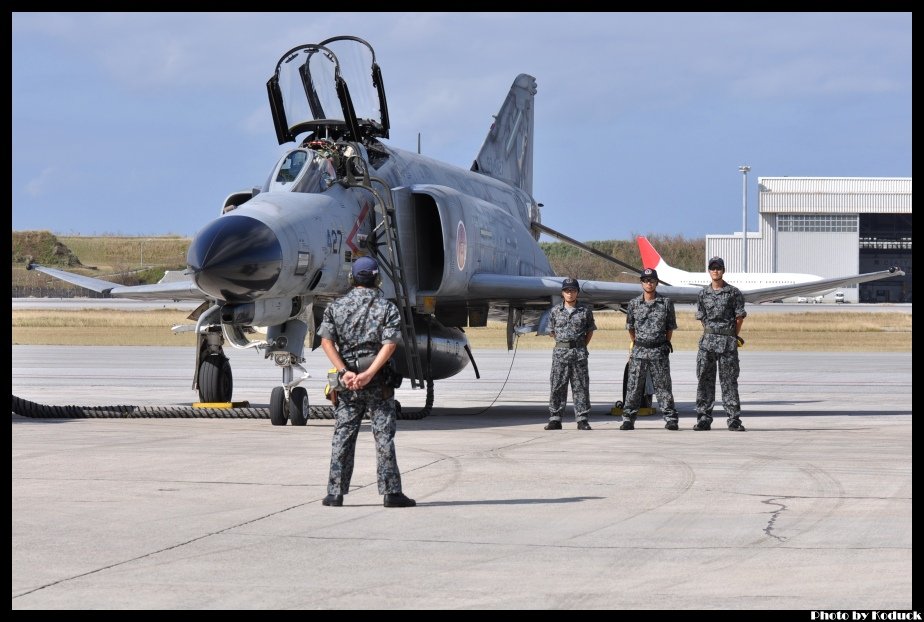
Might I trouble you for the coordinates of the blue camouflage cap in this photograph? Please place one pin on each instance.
(365, 268)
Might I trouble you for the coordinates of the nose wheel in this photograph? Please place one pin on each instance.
(298, 406)
(295, 409)
(279, 412)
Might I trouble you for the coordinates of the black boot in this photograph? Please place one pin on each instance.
(399, 500)
(333, 500)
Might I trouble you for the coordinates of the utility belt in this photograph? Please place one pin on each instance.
(574, 343)
(388, 374)
(359, 364)
(653, 343)
(728, 332)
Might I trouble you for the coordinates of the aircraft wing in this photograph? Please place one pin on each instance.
(176, 290)
(767, 294)
(503, 288)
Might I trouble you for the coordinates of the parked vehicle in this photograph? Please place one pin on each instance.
(839, 297)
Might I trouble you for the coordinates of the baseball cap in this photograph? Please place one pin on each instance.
(365, 268)
(649, 273)
(717, 262)
(570, 283)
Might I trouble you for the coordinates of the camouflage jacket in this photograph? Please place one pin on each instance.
(718, 310)
(360, 322)
(571, 324)
(651, 321)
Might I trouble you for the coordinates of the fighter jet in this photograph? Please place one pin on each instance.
(457, 246)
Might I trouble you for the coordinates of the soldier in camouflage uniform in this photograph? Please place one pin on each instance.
(360, 327)
(720, 307)
(651, 322)
(572, 325)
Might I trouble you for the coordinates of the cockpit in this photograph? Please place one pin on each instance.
(313, 167)
(302, 170)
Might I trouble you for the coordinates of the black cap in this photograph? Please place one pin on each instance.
(570, 283)
(717, 262)
(649, 273)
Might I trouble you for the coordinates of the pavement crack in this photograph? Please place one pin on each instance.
(775, 514)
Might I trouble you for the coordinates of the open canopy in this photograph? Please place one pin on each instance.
(333, 88)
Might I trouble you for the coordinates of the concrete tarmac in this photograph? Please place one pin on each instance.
(809, 509)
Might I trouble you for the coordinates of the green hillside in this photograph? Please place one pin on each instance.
(125, 260)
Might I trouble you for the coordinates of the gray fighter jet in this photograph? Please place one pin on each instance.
(457, 246)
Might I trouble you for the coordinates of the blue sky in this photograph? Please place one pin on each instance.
(141, 124)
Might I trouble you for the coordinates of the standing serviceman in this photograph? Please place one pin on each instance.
(720, 307)
(359, 333)
(572, 325)
(651, 321)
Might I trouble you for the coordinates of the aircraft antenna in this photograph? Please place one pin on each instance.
(418, 143)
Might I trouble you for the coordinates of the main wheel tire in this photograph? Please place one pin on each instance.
(279, 411)
(298, 406)
(215, 379)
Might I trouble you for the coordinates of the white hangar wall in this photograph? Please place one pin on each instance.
(829, 226)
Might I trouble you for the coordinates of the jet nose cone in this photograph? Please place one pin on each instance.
(235, 258)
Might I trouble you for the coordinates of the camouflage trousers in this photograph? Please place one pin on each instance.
(569, 365)
(706, 363)
(351, 407)
(660, 370)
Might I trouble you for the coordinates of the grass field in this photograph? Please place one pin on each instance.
(829, 331)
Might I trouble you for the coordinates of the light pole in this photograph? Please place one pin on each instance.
(744, 225)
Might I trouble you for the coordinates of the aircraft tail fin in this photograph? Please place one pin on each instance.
(507, 152)
(666, 273)
(650, 257)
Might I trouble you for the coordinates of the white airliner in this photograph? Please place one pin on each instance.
(778, 284)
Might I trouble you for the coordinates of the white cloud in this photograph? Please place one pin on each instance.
(40, 185)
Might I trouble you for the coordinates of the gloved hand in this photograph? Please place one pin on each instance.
(670, 348)
(740, 342)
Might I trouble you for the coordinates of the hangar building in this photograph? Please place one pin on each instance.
(829, 226)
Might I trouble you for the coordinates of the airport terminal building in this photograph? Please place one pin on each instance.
(829, 226)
